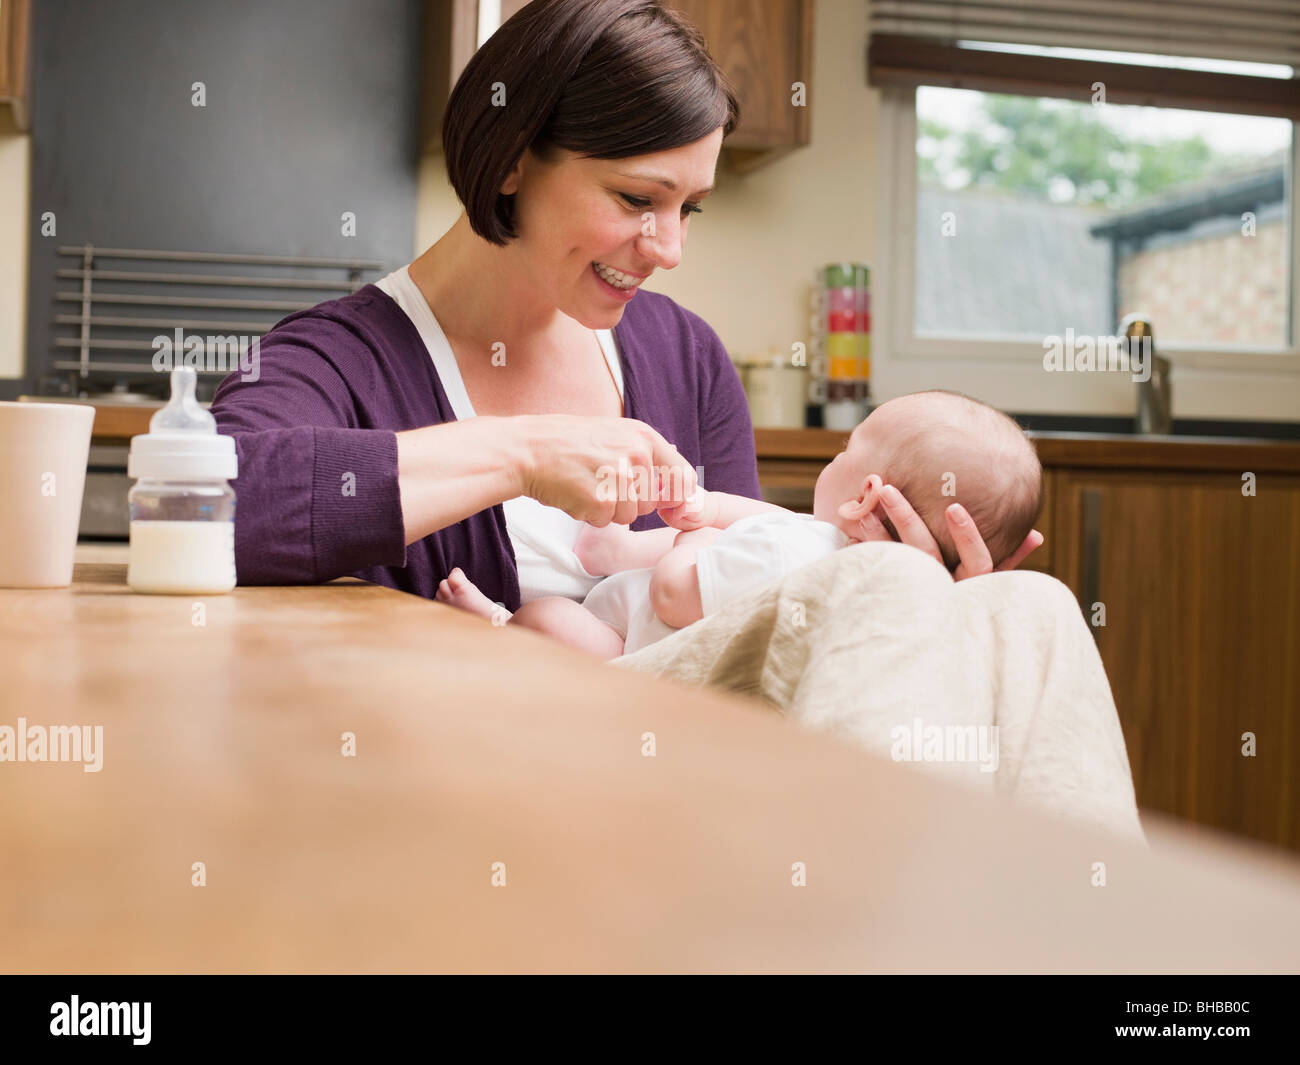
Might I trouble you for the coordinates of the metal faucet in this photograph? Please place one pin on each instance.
(1155, 394)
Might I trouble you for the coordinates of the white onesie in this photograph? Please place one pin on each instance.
(751, 552)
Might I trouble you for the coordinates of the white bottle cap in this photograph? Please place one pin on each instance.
(182, 443)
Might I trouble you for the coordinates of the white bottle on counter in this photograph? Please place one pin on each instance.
(182, 508)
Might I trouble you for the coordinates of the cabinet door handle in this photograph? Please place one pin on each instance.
(1090, 586)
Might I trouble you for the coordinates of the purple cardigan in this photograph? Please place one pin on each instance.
(338, 381)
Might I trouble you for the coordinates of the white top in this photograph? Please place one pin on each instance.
(543, 537)
(748, 554)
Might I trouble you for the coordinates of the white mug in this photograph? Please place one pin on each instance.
(44, 450)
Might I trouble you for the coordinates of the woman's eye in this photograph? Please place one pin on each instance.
(641, 203)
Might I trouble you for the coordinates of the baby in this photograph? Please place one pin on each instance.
(936, 448)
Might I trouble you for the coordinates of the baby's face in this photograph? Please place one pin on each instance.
(844, 478)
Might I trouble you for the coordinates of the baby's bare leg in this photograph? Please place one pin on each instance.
(459, 591)
(614, 548)
(570, 623)
(561, 619)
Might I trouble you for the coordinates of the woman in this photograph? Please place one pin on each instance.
(467, 410)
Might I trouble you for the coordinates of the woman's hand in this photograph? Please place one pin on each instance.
(971, 549)
(601, 470)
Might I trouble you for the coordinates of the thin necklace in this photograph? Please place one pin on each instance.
(609, 370)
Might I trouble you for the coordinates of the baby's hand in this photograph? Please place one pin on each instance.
(697, 512)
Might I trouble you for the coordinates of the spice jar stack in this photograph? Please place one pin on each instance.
(841, 344)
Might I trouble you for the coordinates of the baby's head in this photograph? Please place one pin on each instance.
(938, 448)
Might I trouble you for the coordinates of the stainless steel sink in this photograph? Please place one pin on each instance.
(1120, 428)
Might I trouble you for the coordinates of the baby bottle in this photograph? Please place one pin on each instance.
(182, 508)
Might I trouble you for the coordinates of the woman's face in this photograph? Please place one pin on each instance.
(574, 213)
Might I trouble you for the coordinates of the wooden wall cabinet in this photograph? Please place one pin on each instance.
(450, 40)
(1200, 584)
(765, 47)
(15, 23)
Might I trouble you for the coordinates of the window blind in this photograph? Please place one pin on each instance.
(937, 42)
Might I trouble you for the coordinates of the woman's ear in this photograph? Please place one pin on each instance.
(511, 183)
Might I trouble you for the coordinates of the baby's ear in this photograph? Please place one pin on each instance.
(867, 499)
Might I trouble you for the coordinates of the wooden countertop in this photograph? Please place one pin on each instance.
(122, 421)
(1083, 450)
(119, 422)
(115, 422)
(475, 745)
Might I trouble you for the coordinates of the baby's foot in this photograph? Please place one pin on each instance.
(459, 591)
(600, 550)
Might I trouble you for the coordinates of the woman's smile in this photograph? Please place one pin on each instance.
(621, 293)
(616, 277)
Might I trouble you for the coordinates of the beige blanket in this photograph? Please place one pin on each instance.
(876, 643)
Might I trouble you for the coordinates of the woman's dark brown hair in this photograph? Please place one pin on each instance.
(607, 79)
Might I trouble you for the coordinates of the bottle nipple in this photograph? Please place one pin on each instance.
(183, 413)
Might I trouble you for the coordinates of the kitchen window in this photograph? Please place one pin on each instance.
(1009, 217)
(1034, 214)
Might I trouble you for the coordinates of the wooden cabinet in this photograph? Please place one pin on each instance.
(1200, 586)
(15, 20)
(765, 47)
(451, 29)
(450, 39)
(1193, 589)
